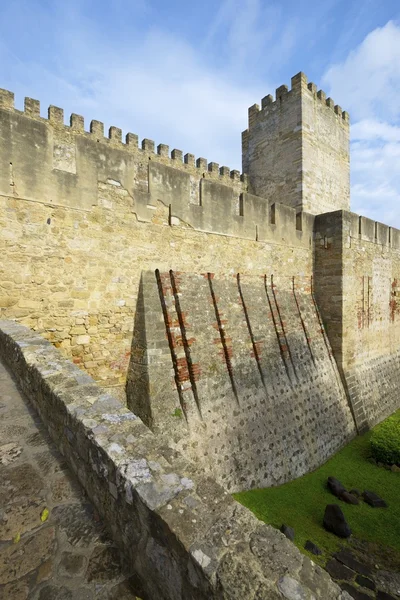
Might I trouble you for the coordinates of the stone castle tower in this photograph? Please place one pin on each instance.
(296, 149)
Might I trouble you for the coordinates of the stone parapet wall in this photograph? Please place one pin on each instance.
(181, 534)
(239, 370)
(43, 160)
(64, 155)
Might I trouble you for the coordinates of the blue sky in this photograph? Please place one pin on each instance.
(184, 73)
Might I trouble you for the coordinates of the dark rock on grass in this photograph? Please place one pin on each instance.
(288, 531)
(339, 571)
(374, 500)
(338, 490)
(356, 493)
(395, 468)
(365, 582)
(354, 592)
(335, 486)
(384, 596)
(349, 498)
(335, 521)
(313, 548)
(347, 558)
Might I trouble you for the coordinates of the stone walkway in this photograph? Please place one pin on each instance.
(66, 556)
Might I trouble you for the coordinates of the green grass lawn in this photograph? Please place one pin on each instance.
(301, 503)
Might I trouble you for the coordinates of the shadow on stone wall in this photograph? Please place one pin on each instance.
(137, 384)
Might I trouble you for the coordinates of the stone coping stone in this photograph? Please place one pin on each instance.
(339, 571)
(183, 536)
(365, 582)
(347, 558)
(384, 596)
(356, 593)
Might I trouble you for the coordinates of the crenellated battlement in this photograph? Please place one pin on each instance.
(177, 159)
(63, 164)
(344, 227)
(200, 194)
(246, 217)
(296, 148)
(299, 85)
(373, 231)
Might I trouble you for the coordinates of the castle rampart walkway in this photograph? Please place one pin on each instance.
(66, 556)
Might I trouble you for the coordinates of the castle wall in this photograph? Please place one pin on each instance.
(127, 259)
(357, 269)
(296, 149)
(246, 384)
(83, 215)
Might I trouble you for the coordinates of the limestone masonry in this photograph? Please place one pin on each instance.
(252, 318)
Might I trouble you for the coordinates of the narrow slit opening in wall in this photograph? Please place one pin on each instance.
(272, 214)
(241, 206)
(325, 242)
(359, 225)
(200, 195)
(390, 236)
(376, 231)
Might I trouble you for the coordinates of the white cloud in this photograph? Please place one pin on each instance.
(166, 93)
(371, 129)
(154, 84)
(368, 81)
(248, 31)
(368, 86)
